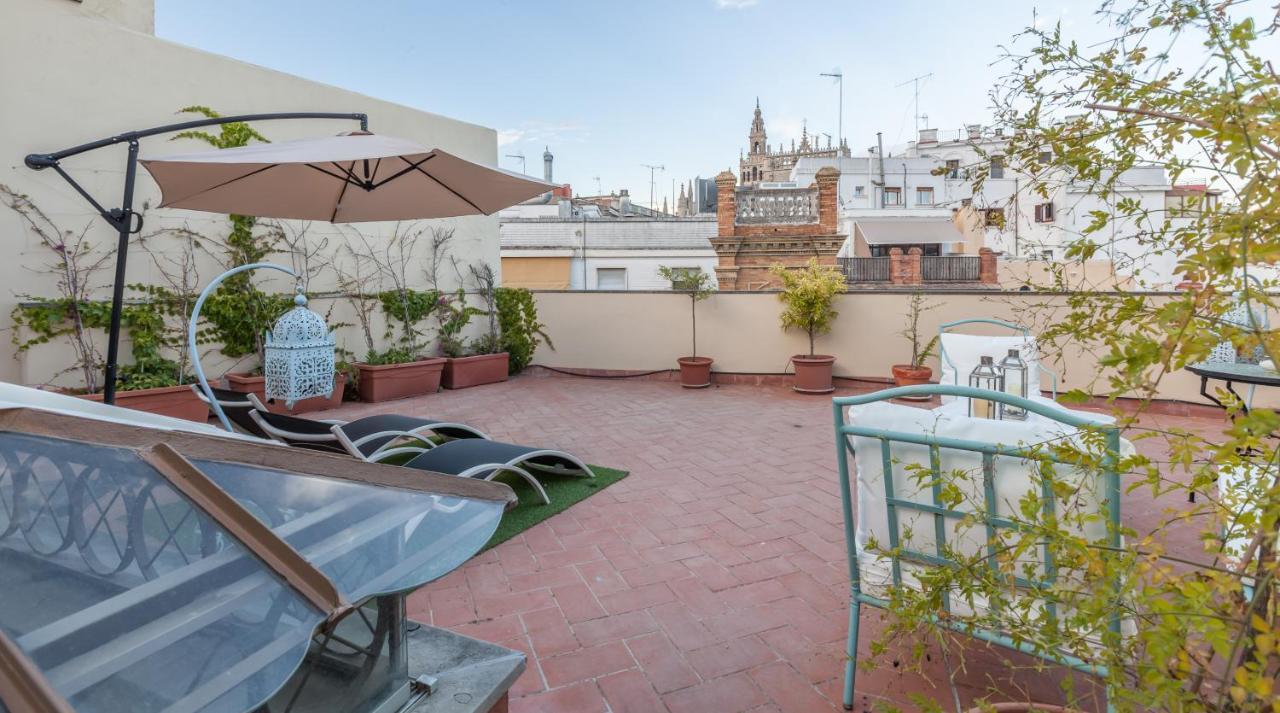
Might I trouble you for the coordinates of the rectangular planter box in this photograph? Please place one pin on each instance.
(175, 401)
(257, 385)
(388, 382)
(464, 372)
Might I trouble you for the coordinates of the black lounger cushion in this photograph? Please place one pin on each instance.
(456, 457)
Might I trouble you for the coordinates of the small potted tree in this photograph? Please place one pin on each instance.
(809, 295)
(695, 371)
(915, 372)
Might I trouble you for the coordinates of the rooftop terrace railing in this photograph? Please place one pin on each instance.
(776, 206)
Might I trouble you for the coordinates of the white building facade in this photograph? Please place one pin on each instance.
(934, 175)
(610, 253)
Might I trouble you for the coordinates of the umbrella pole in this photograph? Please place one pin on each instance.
(124, 225)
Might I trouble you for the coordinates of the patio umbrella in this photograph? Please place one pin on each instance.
(347, 178)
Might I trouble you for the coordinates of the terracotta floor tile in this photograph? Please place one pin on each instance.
(728, 530)
(662, 663)
(630, 692)
(586, 664)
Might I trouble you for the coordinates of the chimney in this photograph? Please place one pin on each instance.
(624, 202)
(547, 158)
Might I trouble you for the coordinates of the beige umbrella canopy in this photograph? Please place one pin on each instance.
(347, 178)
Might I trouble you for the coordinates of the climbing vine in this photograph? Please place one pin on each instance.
(522, 333)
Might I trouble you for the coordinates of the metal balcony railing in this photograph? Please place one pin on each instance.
(950, 268)
(865, 269)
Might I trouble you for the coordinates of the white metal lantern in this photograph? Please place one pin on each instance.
(299, 355)
(1015, 384)
(986, 376)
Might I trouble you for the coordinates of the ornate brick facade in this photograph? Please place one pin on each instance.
(759, 228)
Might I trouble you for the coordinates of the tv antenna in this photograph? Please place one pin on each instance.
(916, 91)
(652, 183)
(837, 75)
(599, 191)
(519, 156)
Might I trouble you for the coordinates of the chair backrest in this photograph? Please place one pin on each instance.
(908, 475)
(1248, 317)
(237, 406)
(959, 353)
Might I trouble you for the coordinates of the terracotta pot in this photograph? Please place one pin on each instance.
(695, 372)
(257, 385)
(388, 382)
(813, 373)
(908, 375)
(463, 372)
(175, 401)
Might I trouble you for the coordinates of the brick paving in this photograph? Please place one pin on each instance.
(712, 580)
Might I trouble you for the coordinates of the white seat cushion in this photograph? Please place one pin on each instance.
(965, 351)
(1013, 478)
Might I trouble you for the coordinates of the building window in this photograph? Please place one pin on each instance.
(1046, 255)
(611, 278)
(1182, 202)
(924, 195)
(953, 168)
(857, 191)
(682, 275)
(892, 196)
(1044, 213)
(994, 217)
(1046, 157)
(997, 167)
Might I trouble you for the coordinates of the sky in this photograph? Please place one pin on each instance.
(611, 86)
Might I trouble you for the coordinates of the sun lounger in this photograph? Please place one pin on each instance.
(484, 459)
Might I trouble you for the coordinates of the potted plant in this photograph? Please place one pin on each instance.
(695, 371)
(809, 295)
(915, 372)
(482, 361)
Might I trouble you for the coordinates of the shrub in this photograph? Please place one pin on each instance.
(522, 333)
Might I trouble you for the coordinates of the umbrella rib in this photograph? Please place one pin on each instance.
(445, 186)
(412, 167)
(331, 174)
(224, 183)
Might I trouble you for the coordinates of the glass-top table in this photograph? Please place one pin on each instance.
(1231, 374)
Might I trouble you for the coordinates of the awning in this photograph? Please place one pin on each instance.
(906, 231)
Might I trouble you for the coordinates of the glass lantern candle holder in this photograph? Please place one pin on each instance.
(1015, 384)
(988, 376)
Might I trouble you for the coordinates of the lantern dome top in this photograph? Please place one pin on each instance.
(300, 326)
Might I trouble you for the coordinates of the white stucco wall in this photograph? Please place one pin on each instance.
(76, 72)
(641, 266)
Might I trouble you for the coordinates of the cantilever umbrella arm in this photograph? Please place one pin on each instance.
(123, 218)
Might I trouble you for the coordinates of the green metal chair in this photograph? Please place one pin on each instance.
(959, 379)
(900, 553)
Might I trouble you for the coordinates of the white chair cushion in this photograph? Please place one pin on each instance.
(1013, 478)
(965, 352)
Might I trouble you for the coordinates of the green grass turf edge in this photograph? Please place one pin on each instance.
(563, 490)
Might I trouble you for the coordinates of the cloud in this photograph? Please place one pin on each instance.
(542, 132)
(735, 4)
(509, 136)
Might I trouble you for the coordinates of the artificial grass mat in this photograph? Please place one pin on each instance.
(564, 491)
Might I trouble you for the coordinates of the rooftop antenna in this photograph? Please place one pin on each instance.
(916, 91)
(599, 192)
(519, 156)
(651, 182)
(837, 75)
